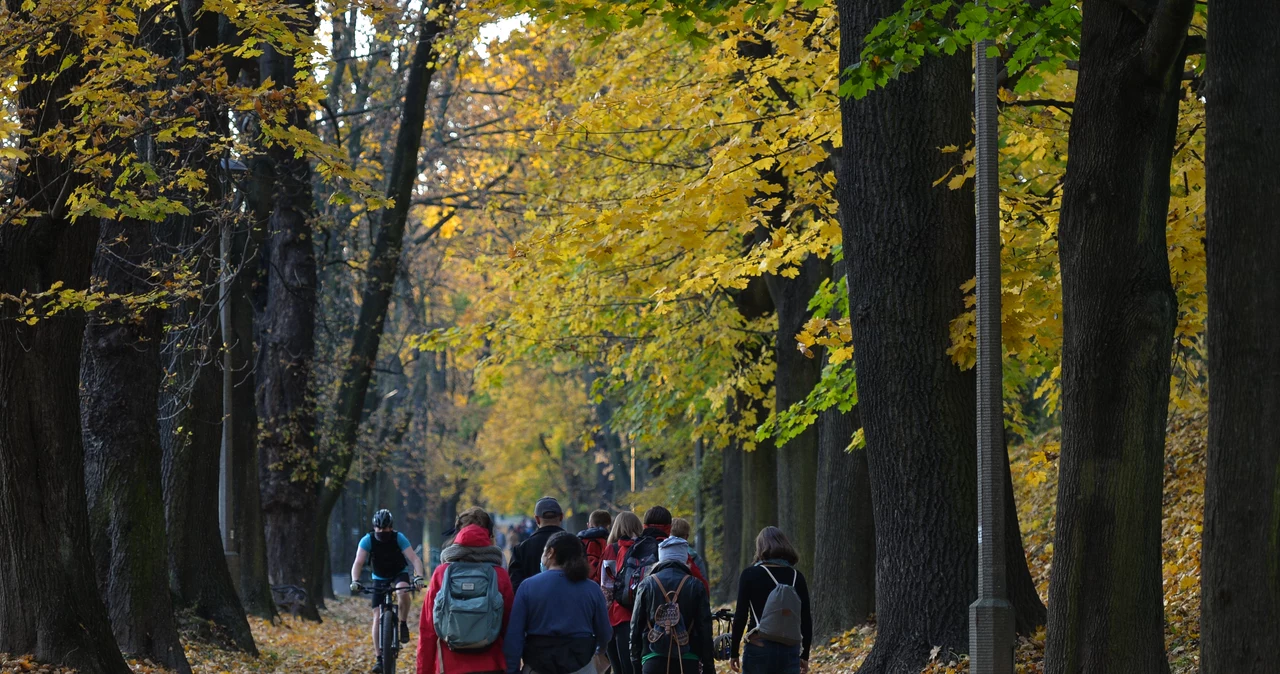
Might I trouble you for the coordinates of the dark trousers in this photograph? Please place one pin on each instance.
(661, 666)
(619, 651)
(770, 658)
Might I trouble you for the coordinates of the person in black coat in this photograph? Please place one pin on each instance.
(672, 574)
(526, 558)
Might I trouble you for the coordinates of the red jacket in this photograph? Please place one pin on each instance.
(618, 614)
(472, 544)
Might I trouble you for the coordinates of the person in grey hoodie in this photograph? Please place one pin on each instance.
(671, 577)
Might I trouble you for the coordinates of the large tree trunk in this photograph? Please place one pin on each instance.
(1240, 582)
(255, 588)
(795, 377)
(730, 522)
(910, 246)
(120, 382)
(845, 552)
(384, 261)
(286, 346)
(191, 433)
(49, 603)
(1119, 313)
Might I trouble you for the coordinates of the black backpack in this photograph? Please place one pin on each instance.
(641, 556)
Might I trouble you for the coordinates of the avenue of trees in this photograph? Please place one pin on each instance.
(268, 265)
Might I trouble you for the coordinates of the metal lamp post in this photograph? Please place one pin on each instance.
(991, 616)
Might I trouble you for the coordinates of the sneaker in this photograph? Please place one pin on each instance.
(404, 632)
(377, 666)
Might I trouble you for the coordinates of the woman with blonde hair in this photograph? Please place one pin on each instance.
(626, 528)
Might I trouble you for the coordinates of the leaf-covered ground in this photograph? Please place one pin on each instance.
(1035, 476)
(341, 644)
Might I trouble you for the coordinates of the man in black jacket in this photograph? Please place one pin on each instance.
(526, 558)
(672, 574)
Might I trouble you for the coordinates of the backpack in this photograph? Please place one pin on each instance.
(641, 556)
(780, 622)
(667, 635)
(469, 607)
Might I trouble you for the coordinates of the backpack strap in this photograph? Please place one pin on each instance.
(775, 579)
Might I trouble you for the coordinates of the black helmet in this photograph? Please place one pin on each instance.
(382, 519)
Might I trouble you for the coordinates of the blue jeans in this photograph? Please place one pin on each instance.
(770, 658)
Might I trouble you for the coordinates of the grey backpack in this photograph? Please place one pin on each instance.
(469, 607)
(780, 622)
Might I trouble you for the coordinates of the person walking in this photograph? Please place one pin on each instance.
(466, 641)
(524, 557)
(671, 629)
(681, 528)
(626, 528)
(657, 525)
(559, 621)
(594, 540)
(773, 601)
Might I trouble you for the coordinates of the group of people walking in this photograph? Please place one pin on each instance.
(627, 594)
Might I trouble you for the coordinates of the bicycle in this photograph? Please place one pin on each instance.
(722, 644)
(388, 622)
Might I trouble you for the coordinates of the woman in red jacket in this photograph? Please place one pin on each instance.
(474, 543)
(626, 527)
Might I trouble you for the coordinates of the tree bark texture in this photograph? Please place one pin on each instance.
(1119, 314)
(255, 588)
(731, 522)
(45, 556)
(795, 377)
(909, 246)
(845, 550)
(120, 376)
(191, 433)
(286, 346)
(1240, 582)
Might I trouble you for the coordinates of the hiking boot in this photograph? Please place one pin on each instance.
(404, 632)
(377, 666)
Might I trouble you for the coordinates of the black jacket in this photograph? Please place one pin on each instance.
(526, 558)
(695, 608)
(754, 587)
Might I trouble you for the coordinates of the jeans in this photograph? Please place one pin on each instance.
(620, 649)
(770, 658)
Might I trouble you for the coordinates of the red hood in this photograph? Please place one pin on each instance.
(473, 536)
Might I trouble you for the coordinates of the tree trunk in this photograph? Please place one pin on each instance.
(759, 495)
(255, 588)
(49, 603)
(286, 346)
(731, 522)
(795, 377)
(384, 260)
(120, 382)
(845, 552)
(191, 433)
(1119, 313)
(1240, 581)
(910, 246)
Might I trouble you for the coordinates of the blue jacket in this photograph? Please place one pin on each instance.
(550, 605)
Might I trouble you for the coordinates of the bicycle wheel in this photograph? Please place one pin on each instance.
(389, 635)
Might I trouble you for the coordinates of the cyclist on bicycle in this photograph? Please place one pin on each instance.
(392, 557)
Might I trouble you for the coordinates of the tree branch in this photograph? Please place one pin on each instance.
(1166, 34)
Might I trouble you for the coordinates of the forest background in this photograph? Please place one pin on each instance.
(427, 254)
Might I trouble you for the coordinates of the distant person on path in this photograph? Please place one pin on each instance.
(559, 621)
(478, 573)
(773, 601)
(657, 525)
(671, 629)
(594, 539)
(681, 528)
(392, 557)
(524, 557)
(626, 528)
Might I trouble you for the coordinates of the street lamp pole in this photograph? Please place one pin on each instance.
(991, 616)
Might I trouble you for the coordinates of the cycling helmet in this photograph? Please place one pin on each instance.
(382, 519)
